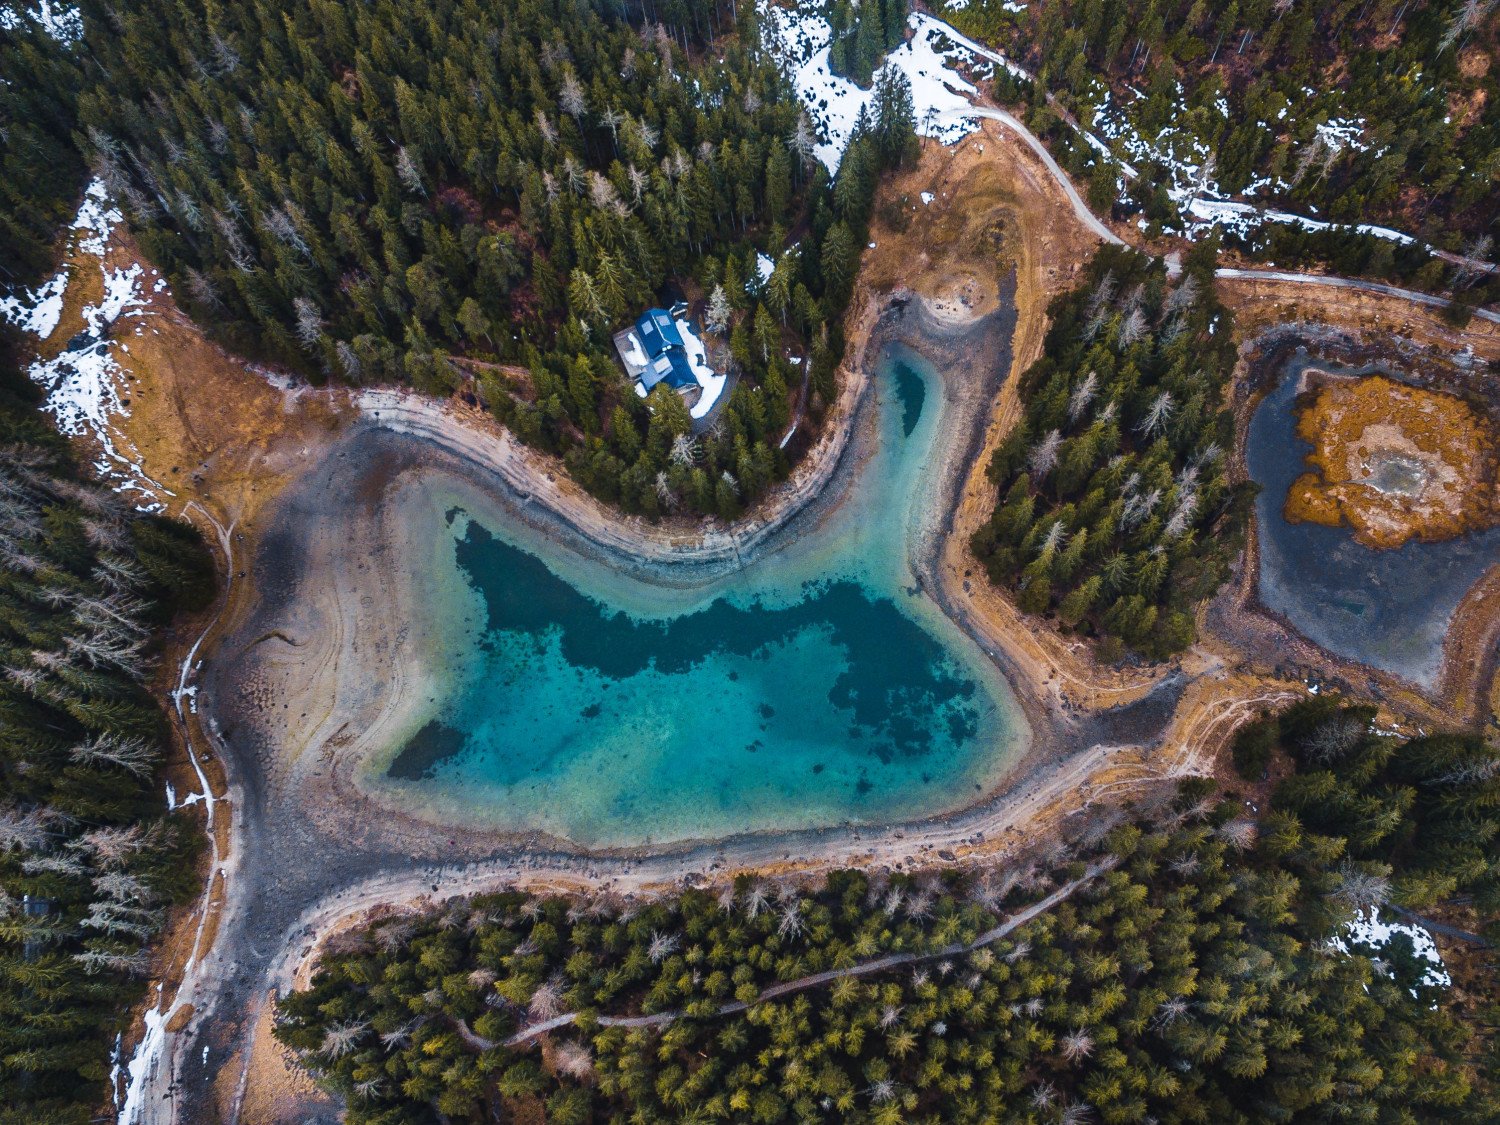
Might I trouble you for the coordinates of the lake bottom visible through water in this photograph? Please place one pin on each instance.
(819, 686)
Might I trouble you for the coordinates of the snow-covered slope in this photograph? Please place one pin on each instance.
(800, 40)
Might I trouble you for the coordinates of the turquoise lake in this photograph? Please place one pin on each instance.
(817, 686)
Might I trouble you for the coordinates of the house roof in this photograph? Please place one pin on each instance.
(673, 369)
(657, 332)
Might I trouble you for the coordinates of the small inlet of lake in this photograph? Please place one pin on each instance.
(1388, 609)
(817, 686)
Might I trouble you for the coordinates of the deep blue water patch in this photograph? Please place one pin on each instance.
(897, 689)
(912, 392)
(818, 685)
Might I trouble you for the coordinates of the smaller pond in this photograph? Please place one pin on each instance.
(1386, 608)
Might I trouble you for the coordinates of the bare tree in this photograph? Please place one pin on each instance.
(22, 831)
(398, 1037)
(1043, 456)
(685, 450)
(665, 492)
(546, 1001)
(1333, 739)
(1363, 888)
(93, 961)
(1470, 16)
(203, 290)
(408, 172)
(1082, 395)
(1132, 328)
(545, 127)
(802, 141)
(1159, 413)
(112, 846)
(1077, 1044)
(1055, 539)
(1239, 833)
(309, 322)
(342, 1038)
(574, 104)
(574, 1059)
(602, 193)
(662, 946)
(349, 361)
(611, 118)
(646, 133)
(790, 923)
(638, 181)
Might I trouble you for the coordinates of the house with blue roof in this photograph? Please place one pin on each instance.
(663, 347)
(653, 351)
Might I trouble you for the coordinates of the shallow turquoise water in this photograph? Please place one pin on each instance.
(818, 686)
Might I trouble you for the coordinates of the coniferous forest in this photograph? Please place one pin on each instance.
(1184, 971)
(1115, 510)
(862, 33)
(458, 194)
(469, 197)
(89, 858)
(1352, 111)
(40, 167)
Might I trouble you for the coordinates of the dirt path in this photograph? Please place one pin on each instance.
(1269, 275)
(814, 980)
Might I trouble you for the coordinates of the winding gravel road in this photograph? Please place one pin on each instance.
(1348, 283)
(1097, 226)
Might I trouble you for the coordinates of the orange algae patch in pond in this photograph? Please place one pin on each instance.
(1394, 462)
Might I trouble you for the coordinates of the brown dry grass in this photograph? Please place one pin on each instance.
(1352, 424)
(1260, 303)
(278, 1089)
(207, 426)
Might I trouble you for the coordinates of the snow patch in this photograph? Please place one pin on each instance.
(710, 380)
(1342, 132)
(81, 382)
(1368, 934)
(63, 23)
(800, 41)
(143, 1063)
(927, 198)
(764, 266)
(39, 310)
